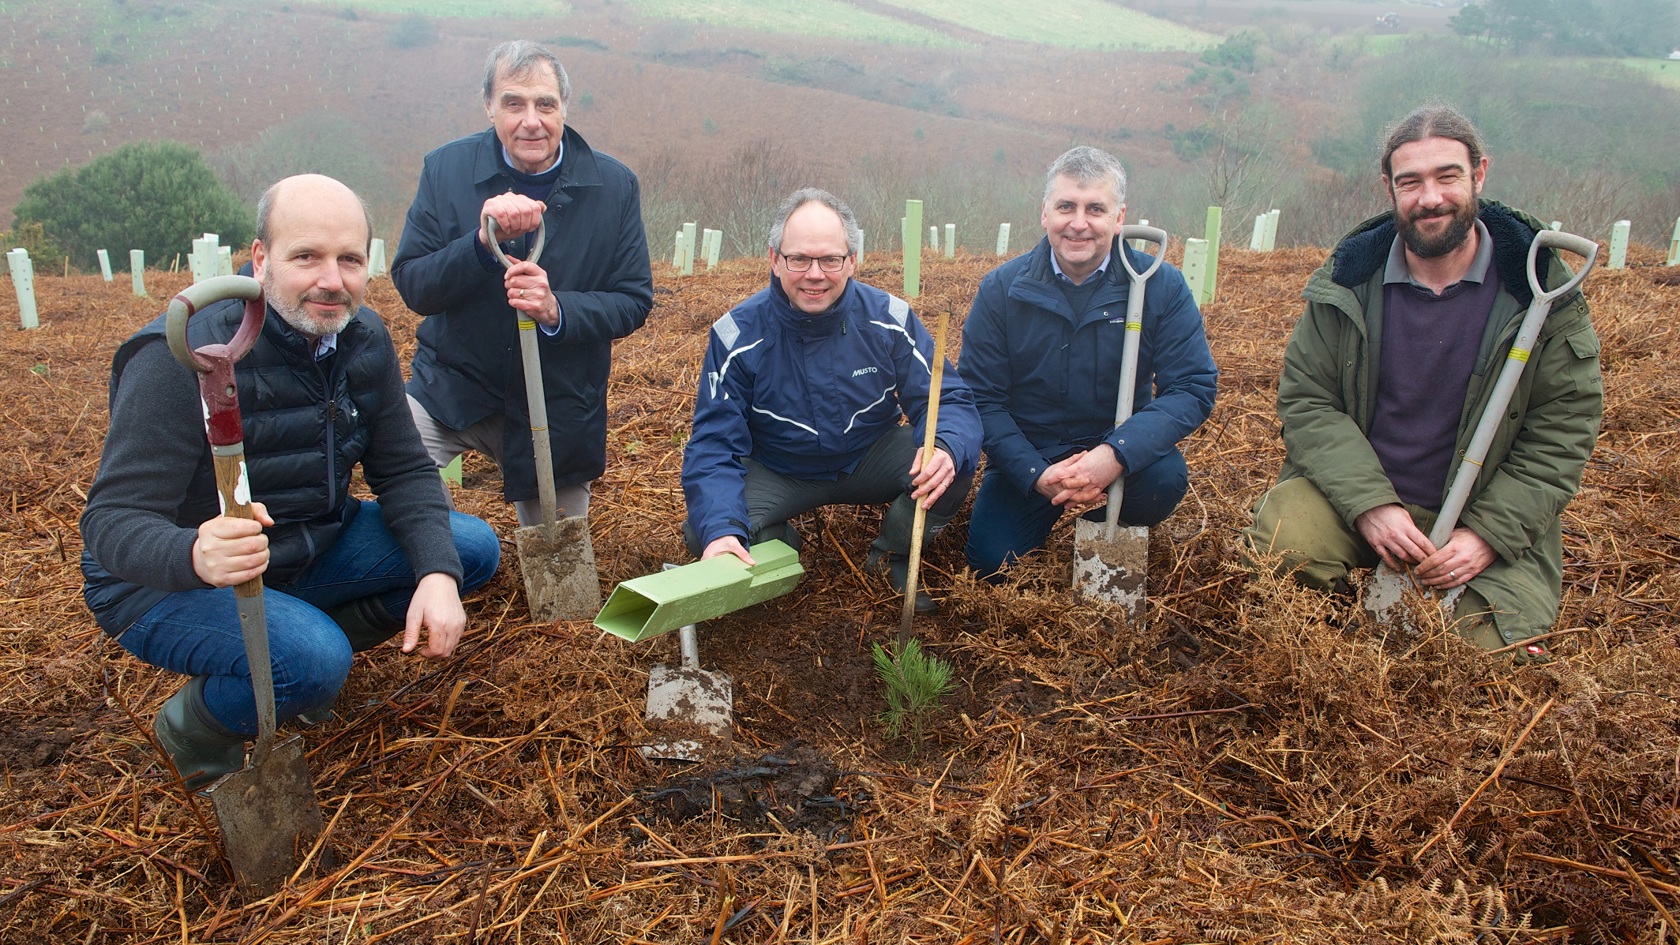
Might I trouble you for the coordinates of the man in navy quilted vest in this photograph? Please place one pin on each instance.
(319, 392)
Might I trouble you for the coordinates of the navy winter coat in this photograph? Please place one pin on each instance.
(1046, 382)
(807, 395)
(467, 365)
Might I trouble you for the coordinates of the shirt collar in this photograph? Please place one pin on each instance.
(559, 153)
(1399, 271)
(1102, 269)
(326, 345)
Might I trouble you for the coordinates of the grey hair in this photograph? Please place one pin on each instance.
(805, 195)
(1436, 119)
(521, 57)
(1087, 165)
(265, 210)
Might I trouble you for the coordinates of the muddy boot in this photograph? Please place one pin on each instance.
(897, 569)
(365, 622)
(201, 748)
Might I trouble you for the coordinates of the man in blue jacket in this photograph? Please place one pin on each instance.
(1041, 351)
(801, 397)
(592, 283)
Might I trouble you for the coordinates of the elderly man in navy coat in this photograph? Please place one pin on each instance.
(590, 285)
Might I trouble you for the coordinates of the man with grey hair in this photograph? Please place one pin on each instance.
(1386, 376)
(1042, 352)
(590, 284)
(801, 397)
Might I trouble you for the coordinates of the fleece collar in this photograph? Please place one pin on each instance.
(1364, 251)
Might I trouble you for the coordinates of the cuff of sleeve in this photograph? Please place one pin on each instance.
(486, 260)
(559, 325)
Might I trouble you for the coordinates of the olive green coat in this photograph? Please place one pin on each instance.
(1326, 397)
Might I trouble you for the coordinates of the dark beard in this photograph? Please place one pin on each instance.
(1425, 247)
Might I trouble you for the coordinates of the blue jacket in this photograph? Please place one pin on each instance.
(807, 395)
(467, 367)
(307, 422)
(1046, 383)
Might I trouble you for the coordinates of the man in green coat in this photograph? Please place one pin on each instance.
(1388, 371)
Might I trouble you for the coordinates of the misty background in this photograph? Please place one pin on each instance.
(724, 108)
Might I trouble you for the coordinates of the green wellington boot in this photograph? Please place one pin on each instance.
(200, 747)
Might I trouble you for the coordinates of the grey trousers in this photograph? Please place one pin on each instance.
(883, 475)
(485, 436)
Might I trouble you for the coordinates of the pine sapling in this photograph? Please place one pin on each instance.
(915, 684)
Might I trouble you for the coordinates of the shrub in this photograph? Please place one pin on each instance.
(154, 197)
(413, 31)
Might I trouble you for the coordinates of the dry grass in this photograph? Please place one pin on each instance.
(1254, 765)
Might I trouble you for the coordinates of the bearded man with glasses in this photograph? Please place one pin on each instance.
(802, 400)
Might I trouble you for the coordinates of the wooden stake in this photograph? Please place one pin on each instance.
(927, 457)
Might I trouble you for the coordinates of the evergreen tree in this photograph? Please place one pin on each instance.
(155, 196)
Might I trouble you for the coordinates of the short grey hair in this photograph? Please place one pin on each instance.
(265, 211)
(521, 57)
(1087, 165)
(805, 195)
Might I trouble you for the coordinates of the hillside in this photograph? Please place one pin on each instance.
(82, 77)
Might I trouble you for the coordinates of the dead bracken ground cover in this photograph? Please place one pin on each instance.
(1255, 764)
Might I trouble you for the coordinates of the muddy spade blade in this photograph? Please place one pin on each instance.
(692, 709)
(1111, 569)
(557, 562)
(268, 816)
(1396, 602)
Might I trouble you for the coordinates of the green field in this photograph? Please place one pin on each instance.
(815, 18)
(1662, 71)
(1084, 26)
(460, 8)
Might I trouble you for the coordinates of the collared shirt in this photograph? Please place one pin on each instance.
(1069, 280)
(559, 153)
(325, 346)
(1079, 295)
(1398, 270)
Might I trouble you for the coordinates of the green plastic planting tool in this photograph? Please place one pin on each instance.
(645, 607)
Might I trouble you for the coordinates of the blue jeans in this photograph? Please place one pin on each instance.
(197, 632)
(1006, 524)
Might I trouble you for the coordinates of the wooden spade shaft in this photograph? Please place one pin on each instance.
(920, 521)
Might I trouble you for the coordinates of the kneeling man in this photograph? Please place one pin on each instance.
(319, 392)
(801, 400)
(1387, 374)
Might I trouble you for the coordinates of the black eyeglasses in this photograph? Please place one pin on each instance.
(803, 263)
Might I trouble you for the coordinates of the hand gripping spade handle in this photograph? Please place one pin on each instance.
(536, 405)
